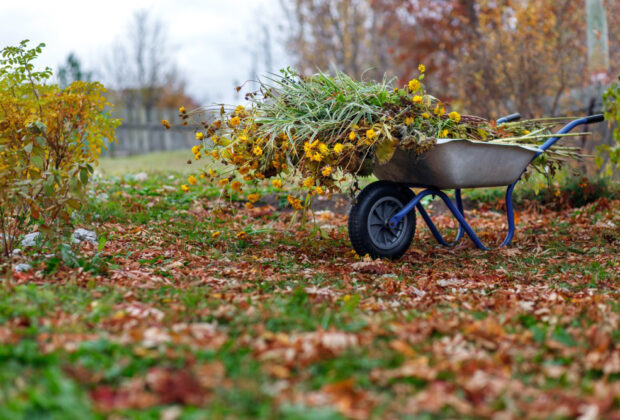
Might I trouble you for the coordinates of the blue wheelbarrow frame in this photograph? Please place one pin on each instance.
(456, 208)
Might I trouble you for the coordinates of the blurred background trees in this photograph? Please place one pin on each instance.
(337, 34)
(488, 57)
(72, 71)
(141, 69)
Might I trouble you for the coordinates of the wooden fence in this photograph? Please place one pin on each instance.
(142, 133)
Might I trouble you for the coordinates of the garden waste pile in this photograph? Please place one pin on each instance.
(321, 130)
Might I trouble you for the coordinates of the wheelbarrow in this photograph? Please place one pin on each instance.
(382, 222)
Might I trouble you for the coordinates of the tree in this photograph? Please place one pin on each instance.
(526, 55)
(140, 66)
(72, 71)
(433, 33)
(340, 34)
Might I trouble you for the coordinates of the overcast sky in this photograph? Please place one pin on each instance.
(212, 39)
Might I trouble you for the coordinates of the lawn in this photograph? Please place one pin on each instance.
(171, 161)
(189, 307)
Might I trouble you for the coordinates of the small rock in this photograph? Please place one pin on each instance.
(84, 235)
(102, 197)
(370, 267)
(141, 176)
(30, 239)
(448, 282)
(16, 252)
(23, 267)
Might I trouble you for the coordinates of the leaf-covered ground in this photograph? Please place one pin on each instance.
(193, 312)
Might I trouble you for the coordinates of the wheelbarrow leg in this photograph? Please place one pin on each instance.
(433, 228)
(510, 215)
(457, 212)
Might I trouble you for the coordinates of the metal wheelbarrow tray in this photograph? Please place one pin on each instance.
(382, 221)
(454, 163)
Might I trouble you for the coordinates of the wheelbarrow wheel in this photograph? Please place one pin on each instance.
(369, 229)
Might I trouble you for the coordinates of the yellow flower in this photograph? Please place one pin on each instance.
(236, 186)
(414, 85)
(294, 202)
(197, 156)
(239, 109)
(316, 157)
(371, 134)
(319, 190)
(417, 99)
(327, 171)
(455, 116)
(200, 135)
(184, 188)
(408, 120)
(243, 138)
(338, 148)
(249, 205)
(203, 175)
(425, 115)
(223, 182)
(309, 147)
(165, 123)
(309, 182)
(215, 234)
(235, 121)
(526, 132)
(192, 180)
(253, 198)
(211, 172)
(215, 154)
(352, 135)
(257, 151)
(421, 68)
(182, 110)
(195, 150)
(241, 235)
(444, 133)
(439, 110)
(276, 183)
(323, 148)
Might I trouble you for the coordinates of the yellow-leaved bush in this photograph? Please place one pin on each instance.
(50, 139)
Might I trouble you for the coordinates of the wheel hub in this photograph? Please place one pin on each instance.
(381, 233)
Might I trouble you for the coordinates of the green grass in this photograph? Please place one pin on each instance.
(288, 324)
(170, 161)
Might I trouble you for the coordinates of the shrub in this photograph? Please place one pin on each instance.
(50, 138)
(611, 105)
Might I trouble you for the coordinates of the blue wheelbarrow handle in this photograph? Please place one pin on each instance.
(568, 127)
(509, 118)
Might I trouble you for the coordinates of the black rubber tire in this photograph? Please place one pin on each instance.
(359, 225)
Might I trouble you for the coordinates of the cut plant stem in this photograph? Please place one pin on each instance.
(542, 136)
